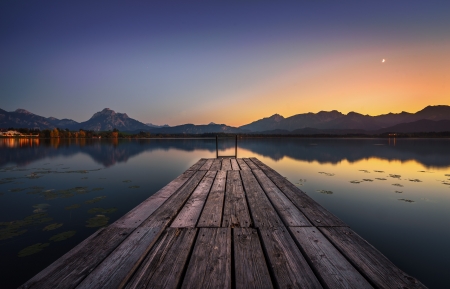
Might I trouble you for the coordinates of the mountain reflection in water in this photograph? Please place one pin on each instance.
(429, 152)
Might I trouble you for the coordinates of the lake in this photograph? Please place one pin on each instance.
(54, 193)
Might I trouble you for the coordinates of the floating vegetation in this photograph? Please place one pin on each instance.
(95, 200)
(134, 187)
(300, 182)
(16, 228)
(446, 183)
(102, 211)
(355, 182)
(15, 190)
(397, 185)
(40, 208)
(62, 236)
(406, 200)
(33, 176)
(395, 176)
(324, 192)
(367, 180)
(379, 171)
(326, 174)
(415, 180)
(365, 171)
(96, 189)
(381, 179)
(80, 190)
(97, 221)
(127, 181)
(33, 249)
(72, 207)
(52, 227)
(398, 192)
(447, 175)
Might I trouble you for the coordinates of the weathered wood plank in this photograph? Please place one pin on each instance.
(164, 265)
(250, 164)
(207, 165)
(249, 263)
(316, 214)
(118, 267)
(167, 212)
(235, 212)
(234, 165)
(226, 165)
(210, 263)
(262, 211)
(330, 266)
(285, 260)
(197, 165)
(140, 213)
(69, 270)
(243, 165)
(211, 215)
(368, 260)
(216, 165)
(191, 210)
(286, 209)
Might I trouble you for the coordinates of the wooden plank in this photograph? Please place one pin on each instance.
(287, 264)
(262, 211)
(118, 267)
(212, 212)
(207, 165)
(243, 165)
(167, 212)
(250, 164)
(249, 263)
(316, 214)
(216, 165)
(140, 213)
(197, 165)
(368, 260)
(191, 210)
(210, 263)
(286, 209)
(226, 165)
(330, 266)
(235, 212)
(234, 165)
(69, 270)
(164, 265)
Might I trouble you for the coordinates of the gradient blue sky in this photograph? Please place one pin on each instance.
(228, 62)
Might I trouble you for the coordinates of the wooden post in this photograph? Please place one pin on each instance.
(217, 148)
(235, 148)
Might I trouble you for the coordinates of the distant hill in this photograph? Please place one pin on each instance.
(197, 129)
(352, 120)
(22, 118)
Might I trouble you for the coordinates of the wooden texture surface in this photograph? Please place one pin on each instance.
(368, 260)
(210, 263)
(164, 265)
(250, 271)
(225, 223)
(235, 211)
(212, 211)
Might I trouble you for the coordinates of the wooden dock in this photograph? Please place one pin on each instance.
(225, 223)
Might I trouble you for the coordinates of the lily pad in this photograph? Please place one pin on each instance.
(97, 221)
(397, 185)
(40, 208)
(355, 182)
(381, 179)
(95, 200)
(365, 171)
(367, 180)
(324, 192)
(398, 192)
(379, 171)
(62, 236)
(72, 207)
(326, 174)
(415, 180)
(134, 187)
(102, 211)
(52, 227)
(395, 176)
(33, 249)
(406, 200)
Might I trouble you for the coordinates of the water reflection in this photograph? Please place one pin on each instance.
(431, 153)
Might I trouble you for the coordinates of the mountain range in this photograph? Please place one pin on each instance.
(429, 119)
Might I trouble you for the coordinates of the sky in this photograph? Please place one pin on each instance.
(231, 62)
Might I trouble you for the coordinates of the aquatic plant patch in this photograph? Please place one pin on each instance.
(325, 192)
(33, 249)
(62, 236)
(53, 226)
(72, 207)
(97, 221)
(95, 200)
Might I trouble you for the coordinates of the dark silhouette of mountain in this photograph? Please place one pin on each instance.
(196, 129)
(155, 125)
(423, 125)
(108, 119)
(22, 118)
(336, 120)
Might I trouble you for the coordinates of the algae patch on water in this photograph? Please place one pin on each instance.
(62, 236)
(102, 211)
(397, 185)
(406, 200)
(40, 208)
(18, 227)
(97, 221)
(95, 200)
(325, 192)
(326, 174)
(52, 227)
(33, 249)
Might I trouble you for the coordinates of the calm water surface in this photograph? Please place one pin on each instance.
(55, 193)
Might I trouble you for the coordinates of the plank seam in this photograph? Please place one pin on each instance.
(206, 198)
(252, 224)
(267, 260)
(191, 250)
